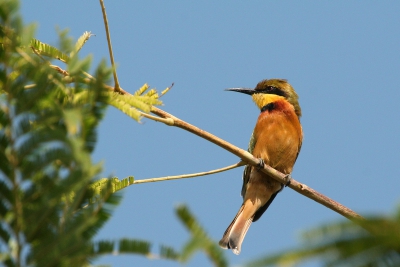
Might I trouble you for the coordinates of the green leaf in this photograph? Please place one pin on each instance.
(99, 188)
(129, 104)
(48, 50)
(104, 247)
(141, 90)
(199, 240)
(170, 253)
(124, 107)
(46, 140)
(76, 66)
(134, 246)
(81, 41)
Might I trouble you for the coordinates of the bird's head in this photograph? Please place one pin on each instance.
(268, 91)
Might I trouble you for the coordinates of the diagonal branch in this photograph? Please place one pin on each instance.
(248, 158)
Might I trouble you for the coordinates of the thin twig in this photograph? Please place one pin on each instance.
(167, 121)
(88, 75)
(29, 86)
(60, 70)
(116, 83)
(120, 91)
(26, 56)
(192, 175)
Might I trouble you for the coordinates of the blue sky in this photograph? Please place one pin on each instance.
(343, 59)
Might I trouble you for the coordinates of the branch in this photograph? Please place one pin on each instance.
(167, 121)
(103, 9)
(171, 120)
(248, 158)
(192, 175)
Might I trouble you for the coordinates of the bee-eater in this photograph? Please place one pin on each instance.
(276, 141)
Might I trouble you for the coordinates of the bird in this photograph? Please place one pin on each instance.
(276, 141)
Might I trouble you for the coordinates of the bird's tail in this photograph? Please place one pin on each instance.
(236, 231)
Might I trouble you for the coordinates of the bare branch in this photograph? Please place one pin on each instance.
(248, 158)
(192, 175)
(60, 70)
(167, 121)
(303, 189)
(103, 9)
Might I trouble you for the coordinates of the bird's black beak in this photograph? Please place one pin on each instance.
(247, 91)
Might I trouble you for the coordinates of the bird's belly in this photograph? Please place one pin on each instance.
(278, 143)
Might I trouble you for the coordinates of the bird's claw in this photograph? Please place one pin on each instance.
(260, 165)
(287, 180)
(287, 177)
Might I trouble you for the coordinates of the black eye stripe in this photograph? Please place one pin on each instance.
(273, 90)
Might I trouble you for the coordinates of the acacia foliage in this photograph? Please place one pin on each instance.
(47, 133)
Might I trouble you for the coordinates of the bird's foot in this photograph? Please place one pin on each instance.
(260, 165)
(287, 180)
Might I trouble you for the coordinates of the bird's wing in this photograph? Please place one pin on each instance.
(300, 143)
(246, 177)
(252, 143)
(247, 169)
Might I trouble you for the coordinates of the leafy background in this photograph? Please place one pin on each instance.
(343, 59)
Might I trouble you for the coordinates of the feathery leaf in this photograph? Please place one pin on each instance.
(134, 246)
(48, 50)
(199, 239)
(81, 41)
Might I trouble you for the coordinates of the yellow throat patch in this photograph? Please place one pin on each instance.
(262, 100)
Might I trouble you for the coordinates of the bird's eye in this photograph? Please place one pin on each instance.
(271, 89)
(274, 90)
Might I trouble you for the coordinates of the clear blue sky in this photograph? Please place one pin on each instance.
(343, 59)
